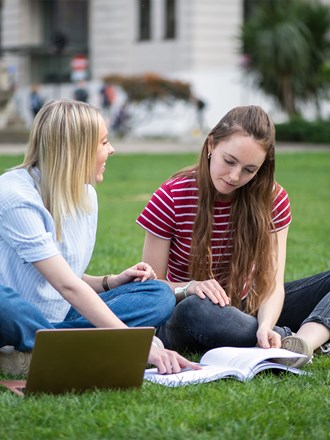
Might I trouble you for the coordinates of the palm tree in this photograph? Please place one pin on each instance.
(287, 44)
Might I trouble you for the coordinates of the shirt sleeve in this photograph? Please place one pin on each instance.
(281, 213)
(28, 229)
(158, 217)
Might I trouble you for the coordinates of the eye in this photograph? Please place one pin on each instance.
(249, 171)
(229, 162)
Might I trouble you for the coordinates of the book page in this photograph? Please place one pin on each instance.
(188, 376)
(226, 362)
(243, 360)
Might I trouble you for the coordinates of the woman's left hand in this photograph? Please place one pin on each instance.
(139, 272)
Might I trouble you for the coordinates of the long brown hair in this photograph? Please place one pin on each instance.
(251, 267)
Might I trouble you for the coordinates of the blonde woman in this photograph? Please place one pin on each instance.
(217, 233)
(48, 220)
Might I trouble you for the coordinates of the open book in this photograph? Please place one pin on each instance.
(228, 362)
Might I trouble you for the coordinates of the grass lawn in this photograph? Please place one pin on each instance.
(268, 407)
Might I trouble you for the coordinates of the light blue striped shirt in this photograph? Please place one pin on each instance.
(27, 235)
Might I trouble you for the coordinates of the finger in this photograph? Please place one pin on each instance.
(263, 342)
(220, 294)
(200, 293)
(184, 363)
(166, 363)
(276, 340)
(214, 296)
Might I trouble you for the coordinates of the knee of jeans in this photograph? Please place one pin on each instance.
(165, 303)
(188, 311)
(194, 311)
(167, 297)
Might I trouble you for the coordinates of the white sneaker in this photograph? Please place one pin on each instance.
(324, 349)
(13, 361)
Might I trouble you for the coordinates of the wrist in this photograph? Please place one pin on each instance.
(181, 292)
(106, 283)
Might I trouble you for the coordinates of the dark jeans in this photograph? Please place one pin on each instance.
(199, 325)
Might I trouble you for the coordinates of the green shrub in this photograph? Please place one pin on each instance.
(299, 130)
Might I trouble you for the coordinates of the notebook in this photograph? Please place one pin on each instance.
(65, 360)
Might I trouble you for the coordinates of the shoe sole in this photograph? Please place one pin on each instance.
(14, 362)
(296, 345)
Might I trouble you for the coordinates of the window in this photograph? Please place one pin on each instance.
(66, 32)
(144, 20)
(170, 19)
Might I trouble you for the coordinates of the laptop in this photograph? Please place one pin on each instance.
(65, 360)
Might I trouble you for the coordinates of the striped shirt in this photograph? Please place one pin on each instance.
(170, 215)
(27, 235)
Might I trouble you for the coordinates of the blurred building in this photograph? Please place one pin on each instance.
(60, 41)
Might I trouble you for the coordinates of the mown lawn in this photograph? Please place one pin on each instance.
(268, 407)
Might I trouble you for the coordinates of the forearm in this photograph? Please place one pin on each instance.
(90, 305)
(270, 310)
(77, 292)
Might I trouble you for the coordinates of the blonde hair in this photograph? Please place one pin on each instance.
(252, 264)
(63, 144)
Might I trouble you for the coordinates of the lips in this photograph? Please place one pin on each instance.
(230, 185)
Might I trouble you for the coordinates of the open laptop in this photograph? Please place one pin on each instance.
(65, 360)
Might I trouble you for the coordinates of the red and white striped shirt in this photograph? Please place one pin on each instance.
(170, 214)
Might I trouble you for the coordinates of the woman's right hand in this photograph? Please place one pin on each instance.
(210, 289)
(168, 361)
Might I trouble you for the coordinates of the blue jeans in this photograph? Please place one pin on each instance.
(199, 325)
(137, 304)
(19, 320)
(150, 303)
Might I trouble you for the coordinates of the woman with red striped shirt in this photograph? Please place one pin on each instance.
(217, 233)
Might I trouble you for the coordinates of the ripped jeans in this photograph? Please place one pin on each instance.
(198, 324)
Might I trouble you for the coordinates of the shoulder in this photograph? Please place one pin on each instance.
(281, 212)
(92, 196)
(16, 185)
(181, 183)
(280, 195)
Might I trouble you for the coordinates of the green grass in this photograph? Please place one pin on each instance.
(268, 407)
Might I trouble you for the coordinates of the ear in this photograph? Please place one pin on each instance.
(210, 145)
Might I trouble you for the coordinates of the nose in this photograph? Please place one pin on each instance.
(111, 150)
(235, 174)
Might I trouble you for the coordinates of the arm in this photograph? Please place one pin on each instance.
(77, 292)
(156, 252)
(270, 310)
(139, 272)
(86, 301)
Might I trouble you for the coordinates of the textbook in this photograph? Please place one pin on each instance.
(228, 362)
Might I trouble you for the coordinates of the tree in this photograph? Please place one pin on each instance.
(286, 43)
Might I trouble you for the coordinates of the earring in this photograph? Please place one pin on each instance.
(209, 154)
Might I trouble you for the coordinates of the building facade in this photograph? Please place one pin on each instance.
(54, 42)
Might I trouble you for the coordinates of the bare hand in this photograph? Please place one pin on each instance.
(139, 272)
(268, 338)
(168, 361)
(210, 289)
